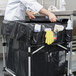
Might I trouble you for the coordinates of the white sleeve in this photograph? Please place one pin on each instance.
(32, 4)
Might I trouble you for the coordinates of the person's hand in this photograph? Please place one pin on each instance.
(52, 17)
(30, 14)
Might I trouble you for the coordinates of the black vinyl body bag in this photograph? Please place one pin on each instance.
(20, 35)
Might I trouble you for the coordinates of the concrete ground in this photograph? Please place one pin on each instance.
(1, 68)
(74, 61)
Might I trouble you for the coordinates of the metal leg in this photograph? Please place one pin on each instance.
(29, 62)
(4, 62)
(70, 60)
(70, 54)
(4, 50)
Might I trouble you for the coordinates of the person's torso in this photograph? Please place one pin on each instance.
(15, 10)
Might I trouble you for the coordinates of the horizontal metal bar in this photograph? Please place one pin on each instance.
(37, 50)
(62, 46)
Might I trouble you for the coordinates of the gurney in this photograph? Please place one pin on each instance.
(64, 38)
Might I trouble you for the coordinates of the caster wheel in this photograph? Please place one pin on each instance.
(74, 73)
(7, 74)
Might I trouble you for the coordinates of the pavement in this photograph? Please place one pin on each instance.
(74, 61)
(1, 68)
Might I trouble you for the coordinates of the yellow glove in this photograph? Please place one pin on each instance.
(49, 37)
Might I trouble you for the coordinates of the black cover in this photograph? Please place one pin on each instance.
(48, 61)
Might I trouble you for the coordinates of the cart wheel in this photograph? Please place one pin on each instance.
(7, 74)
(74, 73)
(65, 75)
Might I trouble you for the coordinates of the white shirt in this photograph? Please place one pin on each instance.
(15, 9)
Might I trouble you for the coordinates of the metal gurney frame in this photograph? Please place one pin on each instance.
(29, 51)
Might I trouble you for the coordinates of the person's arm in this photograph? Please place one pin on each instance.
(51, 16)
(33, 5)
(37, 8)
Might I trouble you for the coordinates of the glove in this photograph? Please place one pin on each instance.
(49, 37)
